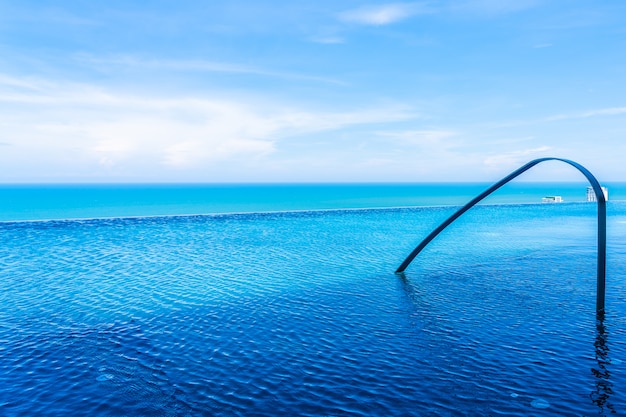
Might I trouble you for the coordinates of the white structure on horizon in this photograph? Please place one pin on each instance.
(552, 199)
(591, 195)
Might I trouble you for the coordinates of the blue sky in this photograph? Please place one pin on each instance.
(324, 91)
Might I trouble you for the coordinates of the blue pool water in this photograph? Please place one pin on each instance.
(300, 313)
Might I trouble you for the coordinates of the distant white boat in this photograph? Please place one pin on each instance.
(552, 199)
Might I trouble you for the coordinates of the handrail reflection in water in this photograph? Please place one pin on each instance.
(603, 386)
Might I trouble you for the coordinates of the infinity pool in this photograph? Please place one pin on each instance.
(301, 314)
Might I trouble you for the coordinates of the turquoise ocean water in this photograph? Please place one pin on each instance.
(281, 300)
(41, 202)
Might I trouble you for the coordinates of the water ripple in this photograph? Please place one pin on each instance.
(300, 314)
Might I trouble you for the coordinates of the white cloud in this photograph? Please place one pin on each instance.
(389, 13)
(137, 63)
(328, 39)
(87, 125)
(610, 111)
(514, 158)
(9, 83)
(383, 14)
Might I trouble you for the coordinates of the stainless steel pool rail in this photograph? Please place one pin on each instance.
(601, 222)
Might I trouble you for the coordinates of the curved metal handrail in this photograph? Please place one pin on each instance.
(601, 221)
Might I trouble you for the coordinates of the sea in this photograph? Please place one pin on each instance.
(282, 300)
(81, 201)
